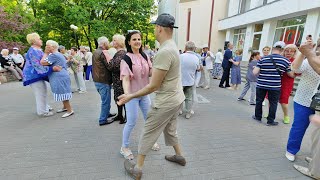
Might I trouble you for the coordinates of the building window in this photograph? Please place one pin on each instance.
(244, 6)
(257, 34)
(239, 38)
(290, 30)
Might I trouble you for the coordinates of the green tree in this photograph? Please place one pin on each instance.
(94, 18)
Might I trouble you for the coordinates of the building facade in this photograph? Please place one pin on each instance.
(253, 24)
(197, 21)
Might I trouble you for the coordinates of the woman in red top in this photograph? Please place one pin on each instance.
(287, 82)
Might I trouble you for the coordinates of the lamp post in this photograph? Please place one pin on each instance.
(75, 28)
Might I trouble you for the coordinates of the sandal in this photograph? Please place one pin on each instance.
(126, 154)
(156, 147)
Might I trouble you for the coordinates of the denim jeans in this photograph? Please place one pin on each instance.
(105, 93)
(132, 111)
(88, 72)
(300, 124)
(273, 97)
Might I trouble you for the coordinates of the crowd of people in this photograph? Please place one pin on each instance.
(134, 72)
(270, 78)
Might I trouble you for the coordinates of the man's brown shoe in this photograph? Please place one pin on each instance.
(177, 159)
(130, 168)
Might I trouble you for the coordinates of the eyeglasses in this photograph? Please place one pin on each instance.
(133, 31)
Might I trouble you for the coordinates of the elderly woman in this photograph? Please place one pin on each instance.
(9, 65)
(35, 75)
(266, 50)
(59, 81)
(308, 84)
(114, 66)
(287, 82)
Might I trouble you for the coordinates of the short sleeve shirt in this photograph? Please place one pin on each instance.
(17, 58)
(269, 78)
(189, 65)
(308, 85)
(139, 76)
(209, 61)
(170, 93)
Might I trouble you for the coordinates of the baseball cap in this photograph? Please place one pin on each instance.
(279, 44)
(165, 20)
(205, 46)
(15, 48)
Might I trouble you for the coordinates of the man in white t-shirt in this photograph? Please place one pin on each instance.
(208, 59)
(17, 58)
(189, 65)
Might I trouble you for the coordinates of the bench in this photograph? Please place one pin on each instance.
(6, 76)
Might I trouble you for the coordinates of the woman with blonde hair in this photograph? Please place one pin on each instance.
(287, 82)
(236, 71)
(9, 65)
(113, 65)
(36, 75)
(59, 81)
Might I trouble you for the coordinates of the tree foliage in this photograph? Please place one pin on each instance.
(94, 18)
(14, 23)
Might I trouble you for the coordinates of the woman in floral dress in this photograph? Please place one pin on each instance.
(114, 66)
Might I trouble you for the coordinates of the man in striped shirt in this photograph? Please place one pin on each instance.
(269, 70)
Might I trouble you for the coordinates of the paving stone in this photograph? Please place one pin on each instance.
(219, 142)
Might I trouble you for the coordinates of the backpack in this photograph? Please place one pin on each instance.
(127, 59)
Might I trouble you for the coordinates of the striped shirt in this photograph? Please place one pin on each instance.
(269, 77)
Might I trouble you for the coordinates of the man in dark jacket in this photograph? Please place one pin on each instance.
(102, 80)
(226, 65)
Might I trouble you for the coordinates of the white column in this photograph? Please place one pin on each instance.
(248, 42)
(268, 32)
(171, 7)
(312, 25)
(229, 35)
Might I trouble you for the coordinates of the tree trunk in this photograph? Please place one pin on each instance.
(88, 39)
(96, 43)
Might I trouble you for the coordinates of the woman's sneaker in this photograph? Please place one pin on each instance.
(286, 120)
(47, 114)
(290, 157)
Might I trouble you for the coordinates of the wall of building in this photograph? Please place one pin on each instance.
(282, 7)
(200, 23)
(170, 6)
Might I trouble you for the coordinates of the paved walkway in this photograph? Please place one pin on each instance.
(219, 142)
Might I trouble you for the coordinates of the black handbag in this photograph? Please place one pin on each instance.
(315, 103)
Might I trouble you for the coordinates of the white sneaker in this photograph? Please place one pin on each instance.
(82, 92)
(207, 87)
(67, 114)
(180, 112)
(192, 112)
(188, 115)
(47, 114)
(290, 156)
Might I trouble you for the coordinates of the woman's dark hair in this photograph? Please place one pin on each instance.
(74, 48)
(255, 53)
(128, 37)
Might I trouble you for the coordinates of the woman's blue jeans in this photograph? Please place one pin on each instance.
(132, 110)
